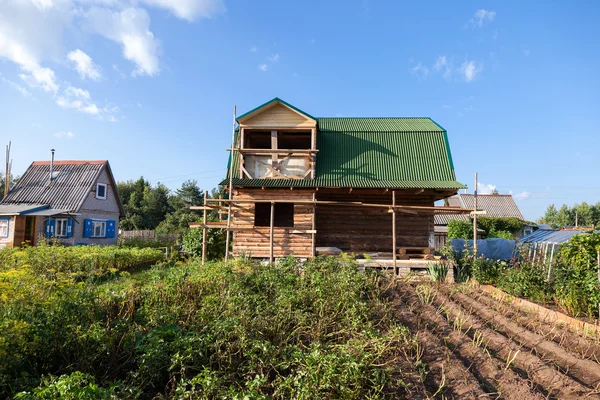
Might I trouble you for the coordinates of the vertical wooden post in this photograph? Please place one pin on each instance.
(394, 248)
(475, 219)
(230, 186)
(314, 224)
(220, 205)
(204, 244)
(274, 156)
(271, 224)
(598, 256)
(550, 265)
(313, 146)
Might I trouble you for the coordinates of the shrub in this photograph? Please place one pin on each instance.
(192, 243)
(526, 279)
(76, 262)
(458, 229)
(486, 271)
(222, 330)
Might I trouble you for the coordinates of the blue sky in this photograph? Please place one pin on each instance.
(150, 84)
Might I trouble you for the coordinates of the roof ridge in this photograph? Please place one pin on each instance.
(65, 162)
(429, 118)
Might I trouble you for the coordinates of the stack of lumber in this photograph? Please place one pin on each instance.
(416, 253)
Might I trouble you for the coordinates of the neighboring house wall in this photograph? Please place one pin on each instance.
(8, 241)
(92, 208)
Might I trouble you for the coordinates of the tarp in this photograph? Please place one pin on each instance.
(495, 248)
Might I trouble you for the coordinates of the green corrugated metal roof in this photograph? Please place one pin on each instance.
(378, 125)
(346, 183)
(376, 152)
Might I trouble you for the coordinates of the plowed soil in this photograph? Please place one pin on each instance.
(475, 347)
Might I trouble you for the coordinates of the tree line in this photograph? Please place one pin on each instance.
(158, 208)
(583, 214)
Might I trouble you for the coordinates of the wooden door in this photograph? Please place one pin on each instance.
(30, 230)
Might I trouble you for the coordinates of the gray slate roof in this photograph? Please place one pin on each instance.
(72, 182)
(496, 205)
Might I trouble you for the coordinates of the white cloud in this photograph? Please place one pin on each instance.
(273, 58)
(483, 188)
(84, 65)
(253, 49)
(263, 67)
(522, 196)
(481, 17)
(443, 65)
(40, 77)
(15, 85)
(131, 28)
(78, 99)
(469, 70)
(526, 52)
(64, 135)
(190, 10)
(420, 70)
(31, 36)
(446, 106)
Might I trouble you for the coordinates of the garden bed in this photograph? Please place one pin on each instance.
(478, 346)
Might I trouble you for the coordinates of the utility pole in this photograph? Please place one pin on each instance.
(8, 168)
(475, 218)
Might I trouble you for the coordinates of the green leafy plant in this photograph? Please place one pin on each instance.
(438, 271)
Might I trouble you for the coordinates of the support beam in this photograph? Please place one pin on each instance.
(314, 227)
(271, 225)
(230, 194)
(475, 219)
(274, 156)
(204, 233)
(394, 249)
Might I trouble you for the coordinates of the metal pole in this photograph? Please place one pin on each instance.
(475, 219)
(230, 185)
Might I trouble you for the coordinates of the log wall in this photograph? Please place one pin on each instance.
(369, 229)
(256, 242)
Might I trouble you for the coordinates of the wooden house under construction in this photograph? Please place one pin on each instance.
(301, 185)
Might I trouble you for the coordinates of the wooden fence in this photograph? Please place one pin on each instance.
(149, 235)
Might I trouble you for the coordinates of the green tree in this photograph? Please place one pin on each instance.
(565, 216)
(550, 216)
(585, 214)
(177, 220)
(145, 206)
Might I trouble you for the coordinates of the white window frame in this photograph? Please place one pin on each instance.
(59, 232)
(7, 221)
(105, 191)
(103, 229)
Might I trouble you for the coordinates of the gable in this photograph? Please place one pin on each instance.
(110, 204)
(278, 116)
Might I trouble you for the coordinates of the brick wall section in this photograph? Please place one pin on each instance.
(8, 241)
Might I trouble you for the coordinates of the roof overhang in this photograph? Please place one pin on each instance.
(20, 209)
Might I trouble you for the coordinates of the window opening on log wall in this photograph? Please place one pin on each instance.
(283, 215)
